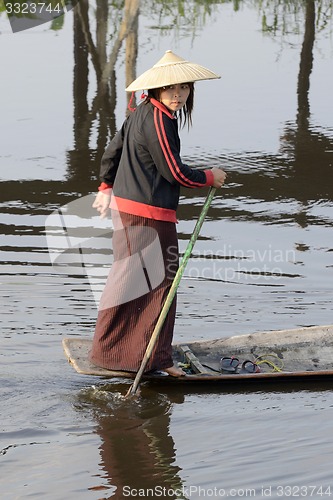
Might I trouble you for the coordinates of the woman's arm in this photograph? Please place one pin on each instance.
(164, 147)
(111, 158)
(109, 166)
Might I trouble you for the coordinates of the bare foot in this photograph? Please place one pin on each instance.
(174, 371)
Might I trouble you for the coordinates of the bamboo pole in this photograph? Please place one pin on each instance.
(172, 292)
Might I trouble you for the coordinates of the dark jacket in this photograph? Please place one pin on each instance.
(143, 166)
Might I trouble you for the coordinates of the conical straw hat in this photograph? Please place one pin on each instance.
(169, 70)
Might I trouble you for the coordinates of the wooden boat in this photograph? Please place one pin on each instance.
(303, 353)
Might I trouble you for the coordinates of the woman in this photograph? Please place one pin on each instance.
(143, 169)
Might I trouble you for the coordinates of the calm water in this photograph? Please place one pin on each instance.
(264, 260)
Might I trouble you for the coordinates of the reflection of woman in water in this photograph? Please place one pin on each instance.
(137, 450)
(143, 168)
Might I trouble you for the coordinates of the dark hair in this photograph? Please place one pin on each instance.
(184, 114)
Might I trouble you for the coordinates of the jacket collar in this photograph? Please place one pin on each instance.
(163, 108)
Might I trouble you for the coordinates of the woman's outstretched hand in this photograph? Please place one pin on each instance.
(219, 177)
(102, 202)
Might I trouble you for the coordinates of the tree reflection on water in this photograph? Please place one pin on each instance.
(109, 35)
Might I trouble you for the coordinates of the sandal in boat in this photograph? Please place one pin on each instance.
(229, 364)
(249, 366)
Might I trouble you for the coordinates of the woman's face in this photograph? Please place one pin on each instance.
(175, 96)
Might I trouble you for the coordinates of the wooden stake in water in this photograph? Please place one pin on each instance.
(172, 292)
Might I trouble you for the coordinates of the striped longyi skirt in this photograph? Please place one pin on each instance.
(145, 263)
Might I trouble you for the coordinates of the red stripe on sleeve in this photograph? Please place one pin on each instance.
(103, 186)
(172, 163)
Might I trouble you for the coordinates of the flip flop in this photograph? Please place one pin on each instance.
(229, 364)
(249, 366)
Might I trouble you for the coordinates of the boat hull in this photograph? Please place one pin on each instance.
(303, 353)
